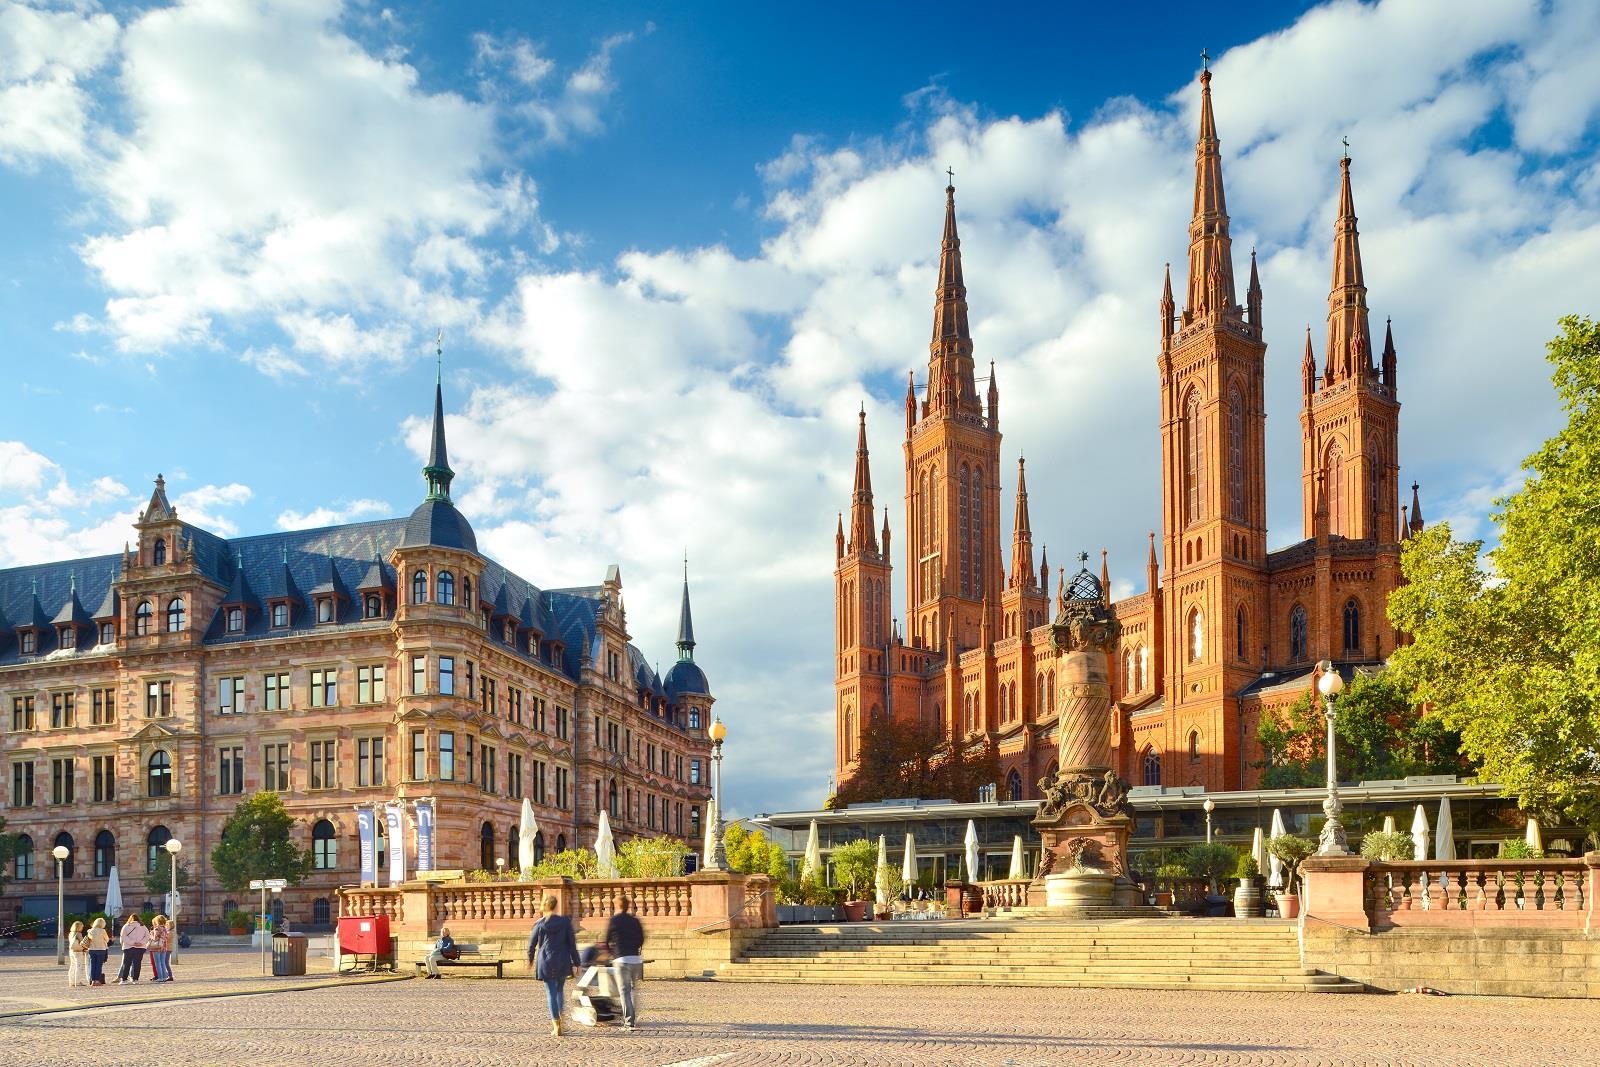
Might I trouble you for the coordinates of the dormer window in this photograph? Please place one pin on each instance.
(487, 616)
(235, 620)
(108, 633)
(419, 587)
(176, 616)
(143, 616)
(445, 588)
(372, 606)
(280, 616)
(69, 637)
(511, 634)
(158, 552)
(324, 609)
(28, 641)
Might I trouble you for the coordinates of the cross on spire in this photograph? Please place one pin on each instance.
(1205, 59)
(1346, 142)
(951, 174)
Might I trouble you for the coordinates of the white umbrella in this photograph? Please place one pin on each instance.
(883, 869)
(709, 853)
(811, 869)
(1018, 870)
(1444, 847)
(605, 849)
(908, 867)
(527, 833)
(972, 851)
(1278, 830)
(1419, 834)
(1258, 849)
(113, 895)
(1533, 837)
(1388, 824)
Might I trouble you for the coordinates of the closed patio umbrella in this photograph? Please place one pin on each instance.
(114, 896)
(1258, 849)
(605, 849)
(709, 852)
(882, 870)
(972, 851)
(1419, 834)
(908, 866)
(527, 830)
(1533, 837)
(1018, 868)
(1444, 847)
(1278, 830)
(1388, 824)
(811, 866)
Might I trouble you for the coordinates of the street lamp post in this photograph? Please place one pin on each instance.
(719, 730)
(1333, 841)
(174, 846)
(1210, 806)
(61, 852)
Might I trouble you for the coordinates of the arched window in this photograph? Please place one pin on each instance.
(175, 615)
(1297, 634)
(849, 735)
(372, 606)
(64, 840)
(105, 853)
(538, 846)
(159, 779)
(159, 552)
(235, 620)
(321, 912)
(1130, 676)
(965, 498)
(611, 795)
(155, 844)
(1005, 703)
(1014, 785)
(1050, 680)
(486, 846)
(24, 864)
(1333, 487)
(445, 588)
(514, 848)
(977, 532)
(1194, 459)
(561, 839)
(1352, 626)
(1241, 635)
(694, 718)
(419, 587)
(1194, 746)
(1152, 766)
(142, 616)
(1197, 635)
(324, 846)
(280, 615)
(1236, 454)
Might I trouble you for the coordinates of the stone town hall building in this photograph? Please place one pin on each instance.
(147, 693)
(1233, 629)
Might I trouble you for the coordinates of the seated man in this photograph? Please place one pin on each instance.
(443, 949)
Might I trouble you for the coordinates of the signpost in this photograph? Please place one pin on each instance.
(266, 885)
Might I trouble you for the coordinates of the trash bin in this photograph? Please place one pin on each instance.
(288, 954)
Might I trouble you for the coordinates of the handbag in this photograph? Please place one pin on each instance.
(451, 954)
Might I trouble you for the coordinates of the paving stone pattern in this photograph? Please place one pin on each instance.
(477, 1021)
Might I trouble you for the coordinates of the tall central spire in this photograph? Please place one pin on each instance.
(951, 385)
(1349, 334)
(685, 620)
(438, 472)
(862, 538)
(1210, 249)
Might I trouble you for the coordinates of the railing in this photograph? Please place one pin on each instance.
(1005, 893)
(372, 902)
(1477, 892)
(650, 900)
(1187, 893)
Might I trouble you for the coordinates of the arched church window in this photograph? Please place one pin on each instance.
(965, 499)
(175, 615)
(1152, 766)
(1197, 635)
(1241, 635)
(1297, 633)
(1194, 459)
(1194, 746)
(1130, 676)
(1352, 626)
(977, 532)
(1144, 667)
(1236, 455)
(141, 618)
(1014, 785)
(1333, 487)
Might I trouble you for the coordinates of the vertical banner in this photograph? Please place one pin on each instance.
(424, 810)
(367, 822)
(395, 817)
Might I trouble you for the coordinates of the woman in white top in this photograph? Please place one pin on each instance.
(77, 955)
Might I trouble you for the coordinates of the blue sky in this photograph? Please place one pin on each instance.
(673, 248)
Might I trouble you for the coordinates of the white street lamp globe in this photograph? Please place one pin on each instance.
(174, 846)
(1210, 805)
(718, 730)
(1330, 684)
(61, 852)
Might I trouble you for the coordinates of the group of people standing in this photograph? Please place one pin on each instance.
(87, 950)
(553, 954)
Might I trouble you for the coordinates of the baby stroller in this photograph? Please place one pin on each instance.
(596, 993)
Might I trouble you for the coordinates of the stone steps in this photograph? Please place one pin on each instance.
(1309, 984)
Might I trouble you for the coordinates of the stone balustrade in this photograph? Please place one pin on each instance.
(1005, 893)
(1494, 892)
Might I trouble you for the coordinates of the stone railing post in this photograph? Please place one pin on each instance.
(1335, 891)
(1591, 890)
(416, 910)
(714, 897)
(564, 890)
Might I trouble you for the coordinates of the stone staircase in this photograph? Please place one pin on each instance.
(1221, 954)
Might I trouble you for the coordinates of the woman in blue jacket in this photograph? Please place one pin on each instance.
(553, 954)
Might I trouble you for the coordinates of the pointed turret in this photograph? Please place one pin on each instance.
(685, 619)
(1252, 297)
(950, 373)
(438, 472)
(994, 398)
(1210, 248)
(1308, 371)
(838, 539)
(1416, 510)
(1105, 578)
(1021, 576)
(1388, 355)
(1168, 308)
(862, 538)
(885, 535)
(1151, 568)
(1405, 524)
(436, 521)
(159, 507)
(1349, 336)
(239, 593)
(1044, 569)
(911, 402)
(685, 677)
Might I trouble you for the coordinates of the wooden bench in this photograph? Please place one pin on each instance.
(471, 956)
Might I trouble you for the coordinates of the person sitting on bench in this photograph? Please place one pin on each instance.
(443, 949)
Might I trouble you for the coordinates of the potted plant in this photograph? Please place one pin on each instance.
(1247, 897)
(854, 864)
(238, 922)
(891, 883)
(27, 926)
(1291, 850)
(1166, 874)
(1212, 861)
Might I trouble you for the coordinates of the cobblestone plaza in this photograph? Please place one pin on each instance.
(477, 1021)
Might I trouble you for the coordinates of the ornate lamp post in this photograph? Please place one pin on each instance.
(719, 730)
(173, 846)
(61, 852)
(1210, 806)
(1333, 842)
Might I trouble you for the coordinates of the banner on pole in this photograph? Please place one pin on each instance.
(394, 817)
(424, 810)
(366, 820)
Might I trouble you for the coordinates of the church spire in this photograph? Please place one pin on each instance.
(1416, 511)
(1168, 308)
(1021, 535)
(1349, 336)
(1210, 249)
(862, 538)
(1252, 297)
(438, 473)
(1388, 355)
(1105, 578)
(1308, 371)
(685, 619)
(950, 374)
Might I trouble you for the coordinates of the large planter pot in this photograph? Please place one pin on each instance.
(1161, 898)
(1216, 906)
(1247, 899)
(855, 911)
(237, 931)
(1079, 889)
(1289, 905)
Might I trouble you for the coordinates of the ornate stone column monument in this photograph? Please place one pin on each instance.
(1085, 820)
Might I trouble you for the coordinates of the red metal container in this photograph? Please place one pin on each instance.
(364, 935)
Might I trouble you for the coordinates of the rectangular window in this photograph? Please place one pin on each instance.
(513, 703)
(419, 675)
(275, 766)
(230, 696)
(157, 700)
(650, 812)
(369, 684)
(538, 715)
(63, 710)
(562, 720)
(650, 758)
(472, 768)
(230, 771)
(324, 764)
(486, 696)
(369, 761)
(472, 675)
(104, 710)
(487, 768)
(105, 777)
(108, 633)
(419, 756)
(514, 775)
(694, 772)
(325, 687)
(22, 713)
(62, 771)
(277, 692)
(677, 818)
(22, 785)
(561, 787)
(447, 756)
(447, 675)
(538, 781)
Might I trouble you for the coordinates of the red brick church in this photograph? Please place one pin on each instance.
(1229, 629)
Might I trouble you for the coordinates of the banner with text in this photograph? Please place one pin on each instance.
(367, 822)
(395, 817)
(424, 809)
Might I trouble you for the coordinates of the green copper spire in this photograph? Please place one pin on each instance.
(438, 472)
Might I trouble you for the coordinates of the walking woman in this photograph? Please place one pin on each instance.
(99, 948)
(135, 937)
(554, 944)
(161, 948)
(77, 955)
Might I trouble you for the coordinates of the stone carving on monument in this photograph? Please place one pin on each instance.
(1084, 820)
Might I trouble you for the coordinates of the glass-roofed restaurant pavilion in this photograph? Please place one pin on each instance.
(1170, 819)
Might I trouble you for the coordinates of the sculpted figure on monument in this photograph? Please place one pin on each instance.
(1113, 798)
(1084, 622)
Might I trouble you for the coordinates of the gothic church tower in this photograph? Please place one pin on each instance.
(861, 605)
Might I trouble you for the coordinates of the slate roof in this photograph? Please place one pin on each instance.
(19, 606)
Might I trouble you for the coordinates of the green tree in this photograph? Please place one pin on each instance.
(1507, 647)
(736, 846)
(255, 844)
(651, 857)
(918, 760)
(575, 863)
(160, 880)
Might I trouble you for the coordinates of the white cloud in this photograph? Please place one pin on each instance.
(203, 506)
(576, 108)
(44, 55)
(351, 511)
